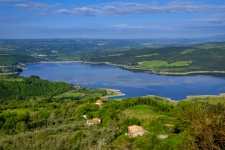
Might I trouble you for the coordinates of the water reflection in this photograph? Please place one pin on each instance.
(128, 82)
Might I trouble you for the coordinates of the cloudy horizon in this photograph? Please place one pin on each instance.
(111, 19)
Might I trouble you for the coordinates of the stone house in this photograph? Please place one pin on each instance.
(99, 102)
(134, 131)
(93, 121)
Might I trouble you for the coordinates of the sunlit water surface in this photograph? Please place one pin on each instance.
(132, 84)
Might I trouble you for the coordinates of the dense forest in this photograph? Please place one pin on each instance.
(173, 58)
(10, 59)
(44, 121)
(32, 87)
(13, 63)
(19, 88)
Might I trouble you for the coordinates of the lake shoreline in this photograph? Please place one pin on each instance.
(159, 73)
(9, 73)
(115, 91)
(190, 97)
(118, 93)
(140, 69)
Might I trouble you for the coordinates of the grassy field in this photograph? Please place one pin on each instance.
(180, 64)
(187, 51)
(211, 100)
(18, 111)
(160, 63)
(147, 55)
(141, 111)
(116, 55)
(69, 94)
(151, 64)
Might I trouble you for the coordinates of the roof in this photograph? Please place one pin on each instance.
(99, 101)
(135, 128)
(95, 120)
(92, 121)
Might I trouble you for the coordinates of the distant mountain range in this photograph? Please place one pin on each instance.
(164, 41)
(217, 38)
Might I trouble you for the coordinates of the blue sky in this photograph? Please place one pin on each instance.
(111, 19)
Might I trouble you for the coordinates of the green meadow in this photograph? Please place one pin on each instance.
(160, 63)
(211, 100)
(147, 55)
(141, 111)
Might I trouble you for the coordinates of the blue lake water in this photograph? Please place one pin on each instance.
(132, 84)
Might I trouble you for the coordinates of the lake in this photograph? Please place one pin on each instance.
(132, 84)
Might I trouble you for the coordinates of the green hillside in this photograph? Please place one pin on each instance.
(9, 59)
(166, 59)
(32, 87)
(11, 63)
(129, 54)
(40, 122)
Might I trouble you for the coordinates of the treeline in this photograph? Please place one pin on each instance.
(210, 58)
(12, 69)
(31, 87)
(13, 59)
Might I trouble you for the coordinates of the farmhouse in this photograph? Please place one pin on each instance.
(93, 121)
(135, 130)
(99, 102)
(222, 95)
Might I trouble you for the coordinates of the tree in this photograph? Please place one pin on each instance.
(35, 77)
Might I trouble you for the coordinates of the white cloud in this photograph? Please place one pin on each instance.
(23, 4)
(32, 5)
(124, 8)
(215, 21)
(122, 25)
(64, 11)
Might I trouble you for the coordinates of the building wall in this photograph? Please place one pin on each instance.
(90, 124)
(138, 134)
(99, 103)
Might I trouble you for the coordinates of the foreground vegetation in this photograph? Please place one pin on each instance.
(49, 119)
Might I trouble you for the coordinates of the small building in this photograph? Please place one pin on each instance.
(93, 121)
(99, 102)
(161, 137)
(222, 95)
(134, 131)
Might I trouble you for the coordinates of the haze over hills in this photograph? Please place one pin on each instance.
(144, 42)
(166, 41)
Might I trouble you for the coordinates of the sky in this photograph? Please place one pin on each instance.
(109, 19)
